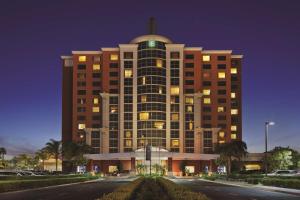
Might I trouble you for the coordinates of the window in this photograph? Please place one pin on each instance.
(144, 80)
(128, 73)
(151, 43)
(233, 128)
(175, 55)
(206, 101)
(233, 70)
(175, 143)
(206, 92)
(113, 74)
(96, 109)
(221, 134)
(81, 66)
(189, 65)
(96, 100)
(159, 125)
(206, 58)
(221, 92)
(82, 58)
(189, 74)
(96, 75)
(189, 108)
(128, 143)
(189, 56)
(81, 126)
(189, 82)
(81, 92)
(221, 75)
(144, 99)
(113, 65)
(206, 66)
(128, 134)
(159, 63)
(113, 109)
(128, 55)
(234, 111)
(81, 101)
(174, 90)
(191, 125)
(221, 141)
(233, 136)
(221, 109)
(206, 75)
(221, 58)
(221, 66)
(175, 116)
(189, 100)
(233, 95)
(97, 58)
(144, 116)
(114, 57)
(206, 83)
(96, 67)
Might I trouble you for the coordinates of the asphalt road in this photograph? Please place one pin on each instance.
(84, 191)
(216, 191)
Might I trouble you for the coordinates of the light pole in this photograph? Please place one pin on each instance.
(267, 124)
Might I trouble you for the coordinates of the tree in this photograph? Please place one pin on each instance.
(281, 158)
(229, 151)
(42, 155)
(53, 148)
(2, 153)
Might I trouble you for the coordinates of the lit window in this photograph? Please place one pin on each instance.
(220, 109)
(128, 73)
(206, 75)
(113, 109)
(159, 125)
(114, 57)
(151, 43)
(82, 58)
(189, 109)
(206, 92)
(96, 109)
(189, 100)
(158, 63)
(96, 66)
(96, 100)
(234, 111)
(233, 95)
(144, 98)
(174, 90)
(233, 70)
(221, 134)
(81, 126)
(206, 58)
(160, 90)
(128, 134)
(233, 136)
(175, 143)
(221, 75)
(221, 141)
(233, 128)
(190, 125)
(144, 80)
(175, 116)
(206, 101)
(144, 116)
(128, 143)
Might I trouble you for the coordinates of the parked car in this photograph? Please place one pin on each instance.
(284, 173)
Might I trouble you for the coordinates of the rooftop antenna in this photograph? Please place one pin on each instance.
(152, 26)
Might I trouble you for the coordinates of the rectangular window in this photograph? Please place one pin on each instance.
(206, 66)
(114, 57)
(159, 63)
(81, 126)
(233, 70)
(159, 125)
(221, 75)
(189, 74)
(189, 65)
(189, 100)
(189, 56)
(206, 83)
(174, 90)
(144, 99)
(221, 58)
(189, 82)
(233, 95)
(113, 74)
(128, 73)
(96, 100)
(221, 109)
(144, 116)
(175, 143)
(175, 116)
(221, 134)
(82, 58)
(96, 67)
(206, 92)
(81, 66)
(233, 136)
(221, 66)
(233, 128)
(96, 109)
(206, 58)
(128, 55)
(234, 111)
(128, 143)
(206, 101)
(175, 55)
(81, 92)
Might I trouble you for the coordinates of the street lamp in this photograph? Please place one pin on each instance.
(267, 124)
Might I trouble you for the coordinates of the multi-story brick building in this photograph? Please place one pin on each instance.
(181, 100)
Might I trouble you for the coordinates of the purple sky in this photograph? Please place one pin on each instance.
(35, 33)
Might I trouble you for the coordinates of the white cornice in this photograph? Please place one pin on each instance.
(66, 57)
(193, 48)
(237, 56)
(110, 49)
(175, 45)
(128, 45)
(86, 52)
(217, 51)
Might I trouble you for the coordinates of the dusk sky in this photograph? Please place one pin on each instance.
(34, 34)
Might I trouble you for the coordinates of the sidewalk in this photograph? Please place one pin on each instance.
(244, 184)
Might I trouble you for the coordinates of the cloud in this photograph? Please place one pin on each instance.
(17, 146)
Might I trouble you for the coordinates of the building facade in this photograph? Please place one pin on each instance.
(180, 100)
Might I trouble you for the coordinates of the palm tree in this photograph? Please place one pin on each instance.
(53, 148)
(228, 151)
(23, 161)
(2, 152)
(42, 155)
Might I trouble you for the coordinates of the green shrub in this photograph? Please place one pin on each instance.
(150, 190)
(124, 192)
(253, 180)
(177, 192)
(286, 183)
(11, 185)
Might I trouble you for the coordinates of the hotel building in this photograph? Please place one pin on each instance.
(181, 100)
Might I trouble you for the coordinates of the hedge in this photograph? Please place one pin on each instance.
(286, 183)
(11, 185)
(177, 192)
(38, 177)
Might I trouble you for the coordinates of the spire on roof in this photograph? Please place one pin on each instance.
(152, 26)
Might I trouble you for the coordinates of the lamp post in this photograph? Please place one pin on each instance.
(267, 124)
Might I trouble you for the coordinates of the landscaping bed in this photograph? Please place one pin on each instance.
(20, 184)
(153, 189)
